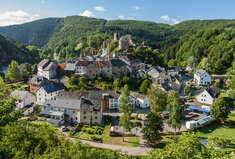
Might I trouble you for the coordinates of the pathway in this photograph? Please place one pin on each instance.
(128, 150)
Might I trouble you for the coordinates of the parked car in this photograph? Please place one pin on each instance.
(190, 100)
(63, 128)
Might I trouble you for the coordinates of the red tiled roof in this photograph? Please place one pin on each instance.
(103, 64)
(81, 63)
(62, 65)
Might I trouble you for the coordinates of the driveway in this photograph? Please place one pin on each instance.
(185, 79)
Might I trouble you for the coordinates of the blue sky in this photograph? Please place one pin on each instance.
(161, 11)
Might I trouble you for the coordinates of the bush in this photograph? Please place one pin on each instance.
(95, 138)
(89, 131)
(33, 118)
(84, 129)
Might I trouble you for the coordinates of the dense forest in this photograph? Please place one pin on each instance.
(12, 50)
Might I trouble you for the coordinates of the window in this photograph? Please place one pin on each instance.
(84, 113)
(39, 98)
(74, 111)
(65, 110)
(95, 113)
(58, 109)
(96, 117)
(76, 118)
(204, 95)
(51, 108)
(204, 100)
(84, 117)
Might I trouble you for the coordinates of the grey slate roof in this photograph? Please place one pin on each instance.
(38, 80)
(20, 94)
(200, 72)
(71, 95)
(117, 62)
(63, 103)
(70, 67)
(53, 87)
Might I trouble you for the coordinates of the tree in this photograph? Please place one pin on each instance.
(183, 64)
(218, 84)
(13, 71)
(187, 146)
(111, 77)
(7, 106)
(219, 109)
(25, 74)
(28, 67)
(83, 80)
(187, 90)
(125, 106)
(157, 99)
(35, 68)
(191, 61)
(172, 63)
(176, 111)
(2, 75)
(145, 86)
(117, 83)
(153, 125)
(72, 81)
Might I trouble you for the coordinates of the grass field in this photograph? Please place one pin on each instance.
(225, 131)
(132, 141)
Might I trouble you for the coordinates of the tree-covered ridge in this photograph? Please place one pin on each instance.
(12, 50)
(36, 33)
(212, 48)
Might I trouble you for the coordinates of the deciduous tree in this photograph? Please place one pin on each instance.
(153, 125)
(219, 109)
(13, 71)
(125, 106)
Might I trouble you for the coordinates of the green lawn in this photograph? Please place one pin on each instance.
(132, 141)
(224, 131)
(78, 134)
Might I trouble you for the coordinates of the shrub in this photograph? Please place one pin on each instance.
(84, 129)
(95, 138)
(89, 131)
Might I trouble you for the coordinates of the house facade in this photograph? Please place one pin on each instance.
(81, 67)
(208, 95)
(119, 68)
(92, 71)
(47, 68)
(49, 92)
(202, 78)
(23, 98)
(104, 67)
(71, 106)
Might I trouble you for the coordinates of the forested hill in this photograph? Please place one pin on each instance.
(212, 49)
(11, 50)
(54, 32)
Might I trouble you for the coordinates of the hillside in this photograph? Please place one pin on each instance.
(11, 50)
(53, 32)
(211, 49)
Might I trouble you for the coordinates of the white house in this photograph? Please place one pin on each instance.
(24, 98)
(104, 67)
(208, 95)
(47, 69)
(81, 67)
(49, 92)
(142, 101)
(201, 77)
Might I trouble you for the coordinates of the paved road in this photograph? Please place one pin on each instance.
(129, 150)
(185, 79)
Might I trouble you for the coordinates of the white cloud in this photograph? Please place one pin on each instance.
(99, 8)
(121, 17)
(165, 17)
(42, 2)
(87, 13)
(136, 7)
(178, 16)
(125, 18)
(16, 17)
(175, 21)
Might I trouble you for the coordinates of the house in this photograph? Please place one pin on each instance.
(169, 82)
(142, 101)
(47, 68)
(104, 67)
(36, 83)
(70, 67)
(119, 68)
(92, 71)
(208, 95)
(71, 106)
(24, 98)
(154, 72)
(49, 92)
(80, 67)
(201, 77)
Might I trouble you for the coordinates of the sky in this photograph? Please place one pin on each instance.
(160, 11)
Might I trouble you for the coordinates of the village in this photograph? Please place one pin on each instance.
(81, 96)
